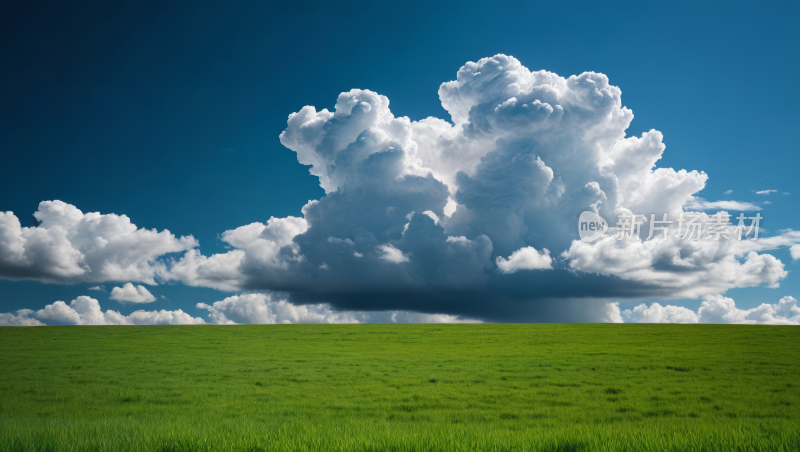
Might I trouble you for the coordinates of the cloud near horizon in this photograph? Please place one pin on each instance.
(250, 308)
(260, 308)
(718, 309)
(437, 217)
(86, 311)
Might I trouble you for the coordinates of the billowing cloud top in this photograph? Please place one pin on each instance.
(472, 217)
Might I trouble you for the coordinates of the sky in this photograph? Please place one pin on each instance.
(174, 114)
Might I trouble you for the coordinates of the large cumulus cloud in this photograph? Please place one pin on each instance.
(460, 216)
(474, 216)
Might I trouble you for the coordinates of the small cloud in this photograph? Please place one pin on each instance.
(795, 252)
(766, 202)
(392, 254)
(432, 216)
(526, 258)
(100, 288)
(357, 254)
(786, 193)
(728, 192)
(132, 294)
(765, 192)
(340, 241)
(697, 203)
(324, 266)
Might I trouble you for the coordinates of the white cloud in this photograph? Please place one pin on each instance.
(795, 252)
(644, 189)
(162, 317)
(718, 309)
(86, 311)
(392, 254)
(219, 271)
(258, 246)
(259, 308)
(432, 216)
(697, 203)
(728, 192)
(526, 258)
(684, 268)
(79, 311)
(129, 293)
(656, 313)
(100, 288)
(612, 314)
(69, 247)
(765, 192)
(21, 318)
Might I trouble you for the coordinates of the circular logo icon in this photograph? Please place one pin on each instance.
(591, 226)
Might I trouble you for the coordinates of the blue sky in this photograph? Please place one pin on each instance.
(170, 114)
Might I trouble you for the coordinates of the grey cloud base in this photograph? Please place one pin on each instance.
(557, 296)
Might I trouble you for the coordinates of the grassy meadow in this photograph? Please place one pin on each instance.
(497, 387)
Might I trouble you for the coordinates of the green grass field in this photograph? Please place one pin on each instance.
(375, 387)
